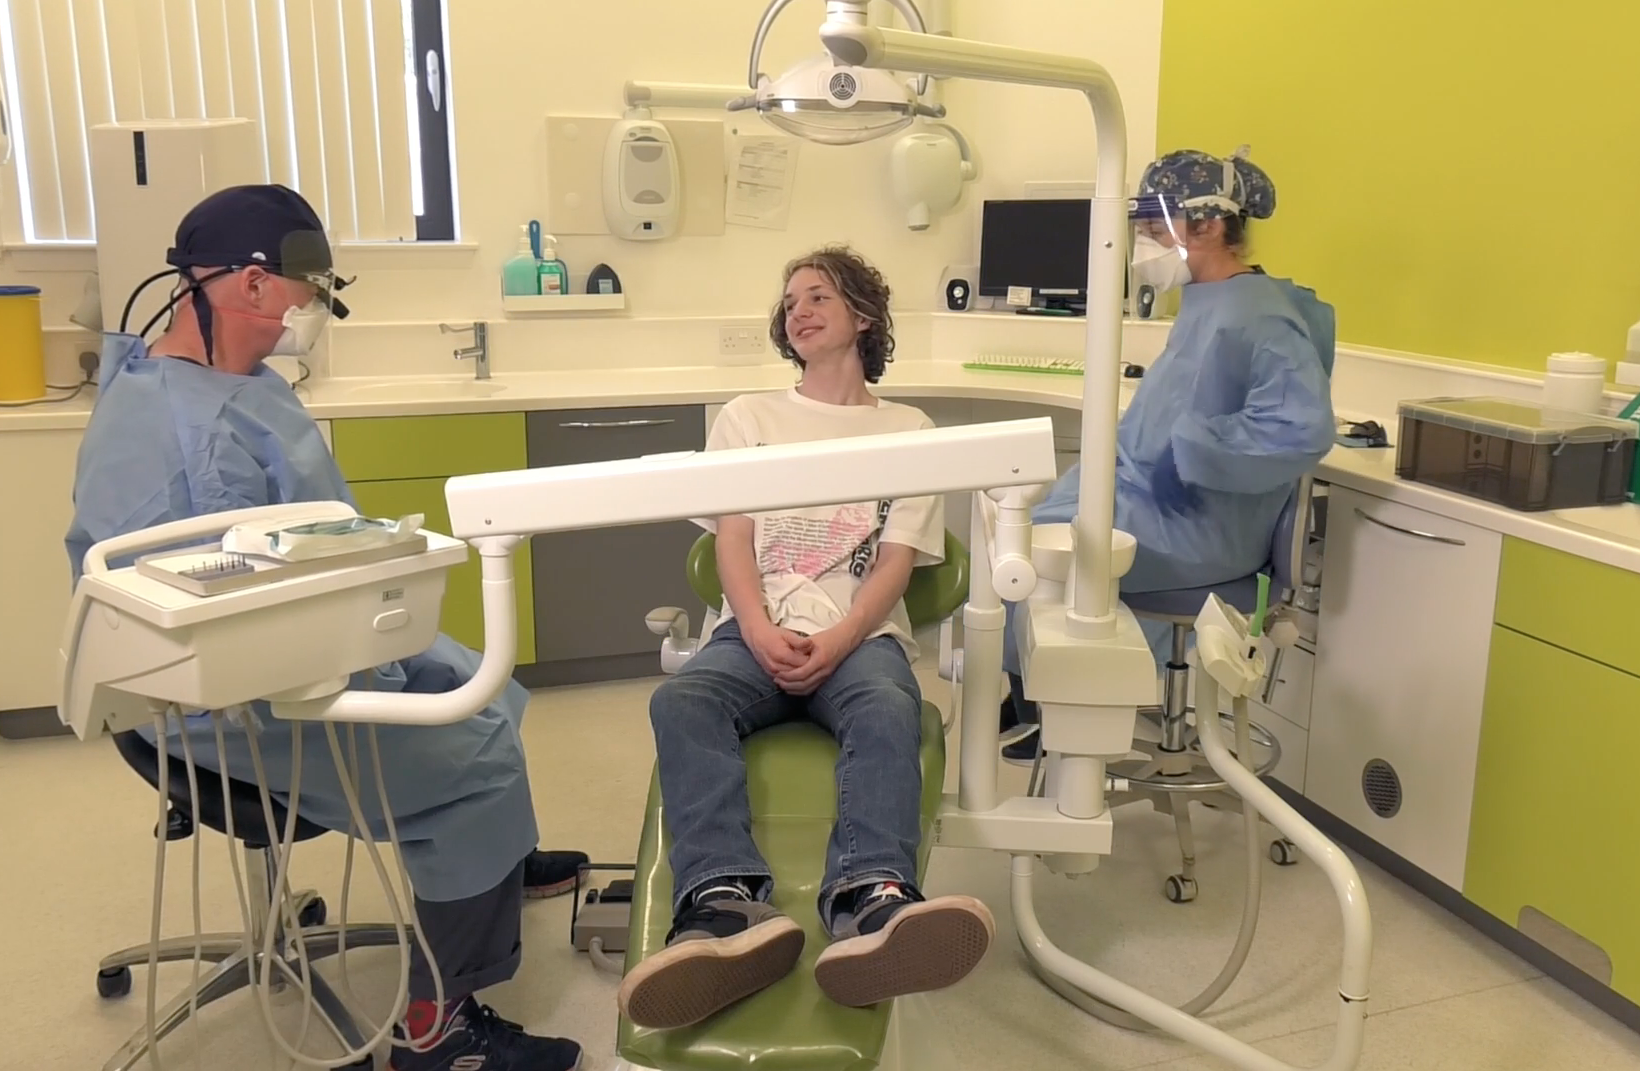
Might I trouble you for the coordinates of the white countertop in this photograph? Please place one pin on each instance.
(1609, 534)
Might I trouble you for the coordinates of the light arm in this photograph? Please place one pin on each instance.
(1092, 610)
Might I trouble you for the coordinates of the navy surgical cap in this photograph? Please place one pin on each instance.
(268, 226)
(1197, 181)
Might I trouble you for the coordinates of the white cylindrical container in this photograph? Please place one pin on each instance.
(1575, 382)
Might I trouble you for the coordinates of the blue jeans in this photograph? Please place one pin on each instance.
(871, 705)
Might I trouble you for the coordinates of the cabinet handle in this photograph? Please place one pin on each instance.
(1431, 536)
(651, 423)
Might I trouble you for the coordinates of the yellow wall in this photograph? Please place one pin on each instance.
(1461, 179)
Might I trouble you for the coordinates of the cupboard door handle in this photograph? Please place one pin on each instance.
(651, 423)
(1431, 536)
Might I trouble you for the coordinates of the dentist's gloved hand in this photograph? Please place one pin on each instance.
(1173, 496)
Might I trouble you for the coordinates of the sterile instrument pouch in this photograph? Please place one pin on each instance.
(320, 539)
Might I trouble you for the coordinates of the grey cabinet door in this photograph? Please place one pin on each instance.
(593, 588)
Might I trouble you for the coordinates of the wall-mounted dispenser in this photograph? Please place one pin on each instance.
(641, 185)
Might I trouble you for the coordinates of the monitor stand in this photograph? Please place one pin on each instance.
(1057, 305)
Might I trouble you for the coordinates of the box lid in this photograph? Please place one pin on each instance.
(1519, 421)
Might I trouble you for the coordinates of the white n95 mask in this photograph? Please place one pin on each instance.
(1157, 265)
(303, 326)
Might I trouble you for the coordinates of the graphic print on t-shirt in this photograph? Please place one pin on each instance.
(814, 542)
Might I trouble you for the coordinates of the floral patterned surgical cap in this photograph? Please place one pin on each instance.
(1198, 180)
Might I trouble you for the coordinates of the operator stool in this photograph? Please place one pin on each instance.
(236, 958)
(1175, 772)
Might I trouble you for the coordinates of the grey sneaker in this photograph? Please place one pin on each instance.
(722, 949)
(898, 943)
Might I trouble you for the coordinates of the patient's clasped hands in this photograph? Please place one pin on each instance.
(799, 664)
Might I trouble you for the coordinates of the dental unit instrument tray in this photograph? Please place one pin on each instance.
(1517, 454)
(210, 570)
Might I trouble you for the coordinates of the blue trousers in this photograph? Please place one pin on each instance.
(871, 705)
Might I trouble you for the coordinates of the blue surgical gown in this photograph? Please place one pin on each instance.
(1243, 394)
(171, 439)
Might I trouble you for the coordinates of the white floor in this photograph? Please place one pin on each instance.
(77, 875)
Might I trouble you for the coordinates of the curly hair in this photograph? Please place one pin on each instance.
(862, 289)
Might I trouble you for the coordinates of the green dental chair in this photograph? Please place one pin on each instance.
(791, 1026)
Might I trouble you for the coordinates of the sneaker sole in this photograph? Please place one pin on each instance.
(924, 947)
(693, 980)
(547, 892)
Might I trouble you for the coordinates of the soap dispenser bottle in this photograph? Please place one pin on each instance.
(554, 272)
(519, 276)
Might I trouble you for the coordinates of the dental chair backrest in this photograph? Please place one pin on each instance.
(1289, 541)
(934, 593)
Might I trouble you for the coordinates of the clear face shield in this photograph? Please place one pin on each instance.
(1157, 232)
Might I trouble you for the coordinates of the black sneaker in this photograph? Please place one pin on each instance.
(477, 1039)
(551, 873)
(896, 943)
(1021, 751)
(723, 948)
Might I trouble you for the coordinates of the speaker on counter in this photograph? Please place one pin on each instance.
(957, 286)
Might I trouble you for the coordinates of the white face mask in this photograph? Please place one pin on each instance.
(303, 326)
(1157, 265)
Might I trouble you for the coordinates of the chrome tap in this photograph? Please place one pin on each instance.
(479, 351)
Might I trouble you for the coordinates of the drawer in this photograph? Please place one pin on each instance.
(577, 436)
(1570, 602)
(420, 447)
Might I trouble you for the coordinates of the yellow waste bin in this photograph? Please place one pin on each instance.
(22, 345)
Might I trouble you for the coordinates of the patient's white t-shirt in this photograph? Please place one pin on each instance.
(814, 560)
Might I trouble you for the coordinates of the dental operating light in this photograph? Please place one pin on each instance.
(833, 102)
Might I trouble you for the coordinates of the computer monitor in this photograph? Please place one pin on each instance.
(1040, 244)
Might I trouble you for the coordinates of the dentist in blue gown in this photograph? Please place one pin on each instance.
(197, 424)
(1236, 409)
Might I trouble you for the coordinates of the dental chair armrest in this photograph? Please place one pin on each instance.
(210, 524)
(672, 623)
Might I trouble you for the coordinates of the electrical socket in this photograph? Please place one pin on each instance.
(743, 345)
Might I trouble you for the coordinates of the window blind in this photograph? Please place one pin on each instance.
(325, 80)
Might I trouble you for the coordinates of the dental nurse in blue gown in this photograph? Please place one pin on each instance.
(1233, 413)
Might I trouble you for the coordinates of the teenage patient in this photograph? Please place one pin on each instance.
(813, 626)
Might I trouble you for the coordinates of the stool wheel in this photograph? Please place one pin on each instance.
(114, 983)
(1283, 852)
(1180, 889)
(312, 913)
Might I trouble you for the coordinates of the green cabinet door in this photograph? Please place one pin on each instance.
(1555, 825)
(463, 613)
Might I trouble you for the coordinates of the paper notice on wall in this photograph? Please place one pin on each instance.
(762, 175)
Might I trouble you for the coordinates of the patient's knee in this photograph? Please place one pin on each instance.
(885, 709)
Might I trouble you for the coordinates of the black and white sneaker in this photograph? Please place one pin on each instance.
(1022, 750)
(896, 943)
(477, 1039)
(724, 947)
(551, 873)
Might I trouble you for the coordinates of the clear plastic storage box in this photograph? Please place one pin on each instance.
(1517, 454)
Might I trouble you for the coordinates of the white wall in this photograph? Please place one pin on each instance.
(515, 61)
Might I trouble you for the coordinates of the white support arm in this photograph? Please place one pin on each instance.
(680, 95)
(496, 511)
(753, 479)
(439, 708)
(1092, 611)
